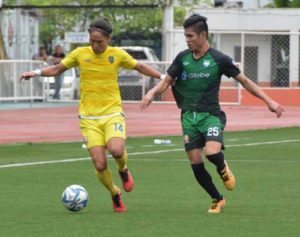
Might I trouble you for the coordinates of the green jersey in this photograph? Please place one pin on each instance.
(198, 80)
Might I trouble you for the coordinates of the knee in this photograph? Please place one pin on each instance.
(211, 151)
(117, 153)
(99, 158)
(100, 166)
(100, 163)
(212, 147)
(116, 147)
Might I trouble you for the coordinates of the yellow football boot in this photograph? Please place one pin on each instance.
(216, 206)
(227, 177)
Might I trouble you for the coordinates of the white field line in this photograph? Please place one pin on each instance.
(155, 145)
(154, 152)
(174, 144)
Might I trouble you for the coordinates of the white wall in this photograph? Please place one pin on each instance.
(251, 19)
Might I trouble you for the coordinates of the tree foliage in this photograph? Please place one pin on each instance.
(55, 22)
(286, 3)
(127, 22)
(183, 6)
(131, 21)
(295, 3)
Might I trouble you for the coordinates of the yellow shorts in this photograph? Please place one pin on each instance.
(97, 132)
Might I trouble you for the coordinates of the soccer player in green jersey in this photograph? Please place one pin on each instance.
(195, 77)
(101, 115)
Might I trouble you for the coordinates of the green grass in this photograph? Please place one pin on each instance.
(166, 200)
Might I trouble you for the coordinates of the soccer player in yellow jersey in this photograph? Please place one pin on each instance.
(102, 121)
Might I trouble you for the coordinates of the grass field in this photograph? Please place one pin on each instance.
(166, 201)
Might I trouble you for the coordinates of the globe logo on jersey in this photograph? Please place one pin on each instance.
(206, 63)
(184, 76)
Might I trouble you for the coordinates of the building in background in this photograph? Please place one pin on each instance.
(265, 41)
(20, 31)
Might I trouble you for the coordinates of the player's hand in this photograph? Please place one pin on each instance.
(276, 108)
(27, 75)
(146, 101)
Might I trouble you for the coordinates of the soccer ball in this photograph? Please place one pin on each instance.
(75, 198)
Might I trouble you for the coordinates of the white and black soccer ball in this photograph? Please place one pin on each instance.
(75, 197)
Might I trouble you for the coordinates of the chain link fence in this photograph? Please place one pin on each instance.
(133, 85)
(270, 59)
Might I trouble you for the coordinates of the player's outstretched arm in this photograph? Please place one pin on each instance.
(259, 93)
(45, 72)
(161, 87)
(148, 70)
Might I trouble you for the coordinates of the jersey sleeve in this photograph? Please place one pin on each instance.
(127, 61)
(71, 59)
(229, 68)
(175, 68)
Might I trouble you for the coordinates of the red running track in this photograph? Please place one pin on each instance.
(61, 124)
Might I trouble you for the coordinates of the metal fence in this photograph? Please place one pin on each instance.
(133, 85)
(271, 59)
(12, 89)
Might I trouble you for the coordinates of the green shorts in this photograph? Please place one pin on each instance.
(200, 127)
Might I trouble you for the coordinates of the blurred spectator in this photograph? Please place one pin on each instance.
(41, 55)
(55, 58)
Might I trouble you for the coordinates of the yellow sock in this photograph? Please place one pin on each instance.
(122, 162)
(106, 179)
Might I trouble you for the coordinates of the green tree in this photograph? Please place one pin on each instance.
(138, 23)
(281, 3)
(55, 22)
(295, 4)
(184, 6)
(286, 3)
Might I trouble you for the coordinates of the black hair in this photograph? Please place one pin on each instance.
(197, 22)
(101, 25)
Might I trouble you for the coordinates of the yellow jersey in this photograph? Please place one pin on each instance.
(99, 89)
